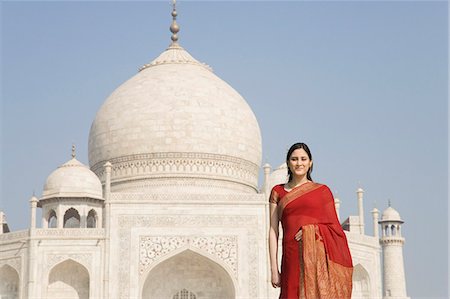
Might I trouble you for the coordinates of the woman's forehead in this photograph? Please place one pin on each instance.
(299, 152)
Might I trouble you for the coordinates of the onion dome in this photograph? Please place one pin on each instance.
(175, 124)
(390, 214)
(74, 180)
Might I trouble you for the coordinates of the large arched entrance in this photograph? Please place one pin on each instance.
(68, 280)
(361, 283)
(9, 282)
(188, 275)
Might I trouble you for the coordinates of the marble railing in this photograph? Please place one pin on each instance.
(46, 233)
(14, 236)
(67, 233)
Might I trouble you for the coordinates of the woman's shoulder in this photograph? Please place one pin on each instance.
(324, 189)
(320, 185)
(276, 193)
(278, 187)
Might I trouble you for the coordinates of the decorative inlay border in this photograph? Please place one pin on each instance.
(84, 259)
(14, 262)
(13, 236)
(126, 222)
(186, 197)
(162, 165)
(175, 54)
(70, 233)
(392, 241)
(183, 183)
(154, 247)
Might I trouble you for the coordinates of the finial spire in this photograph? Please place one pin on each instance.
(389, 202)
(174, 28)
(73, 151)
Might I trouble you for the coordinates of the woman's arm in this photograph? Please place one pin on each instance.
(273, 245)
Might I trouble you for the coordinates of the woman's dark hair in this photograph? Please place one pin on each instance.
(295, 146)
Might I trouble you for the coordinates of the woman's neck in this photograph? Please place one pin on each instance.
(297, 181)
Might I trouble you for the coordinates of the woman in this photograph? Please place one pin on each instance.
(316, 260)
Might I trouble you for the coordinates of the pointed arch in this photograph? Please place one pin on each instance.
(361, 283)
(9, 282)
(68, 279)
(92, 219)
(191, 271)
(52, 219)
(72, 218)
(393, 230)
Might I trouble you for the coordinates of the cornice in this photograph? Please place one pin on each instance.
(141, 169)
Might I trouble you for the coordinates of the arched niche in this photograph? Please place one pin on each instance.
(9, 282)
(52, 220)
(68, 280)
(91, 221)
(361, 283)
(71, 218)
(191, 271)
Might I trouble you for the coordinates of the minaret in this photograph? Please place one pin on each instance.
(32, 250)
(375, 215)
(265, 187)
(392, 244)
(33, 206)
(360, 193)
(337, 205)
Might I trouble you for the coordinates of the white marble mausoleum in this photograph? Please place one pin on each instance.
(170, 206)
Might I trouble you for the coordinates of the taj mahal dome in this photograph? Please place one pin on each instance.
(170, 205)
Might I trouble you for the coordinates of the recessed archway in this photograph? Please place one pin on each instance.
(361, 283)
(191, 271)
(52, 220)
(91, 221)
(71, 218)
(68, 280)
(9, 282)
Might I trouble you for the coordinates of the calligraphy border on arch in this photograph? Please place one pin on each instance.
(13, 262)
(223, 247)
(53, 259)
(126, 222)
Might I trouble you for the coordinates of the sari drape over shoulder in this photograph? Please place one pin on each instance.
(320, 265)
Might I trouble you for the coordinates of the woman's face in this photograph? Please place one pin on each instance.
(299, 162)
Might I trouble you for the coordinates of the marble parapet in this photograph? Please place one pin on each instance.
(189, 167)
(240, 198)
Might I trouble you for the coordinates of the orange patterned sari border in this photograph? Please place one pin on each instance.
(295, 194)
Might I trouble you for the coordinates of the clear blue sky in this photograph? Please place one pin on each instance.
(363, 83)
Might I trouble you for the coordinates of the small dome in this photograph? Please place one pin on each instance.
(72, 179)
(390, 214)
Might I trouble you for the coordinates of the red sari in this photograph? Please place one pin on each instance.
(320, 265)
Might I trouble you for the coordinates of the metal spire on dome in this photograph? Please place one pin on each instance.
(174, 54)
(73, 151)
(174, 28)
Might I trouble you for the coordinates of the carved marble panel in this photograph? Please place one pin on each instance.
(13, 262)
(84, 259)
(160, 165)
(126, 222)
(154, 247)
